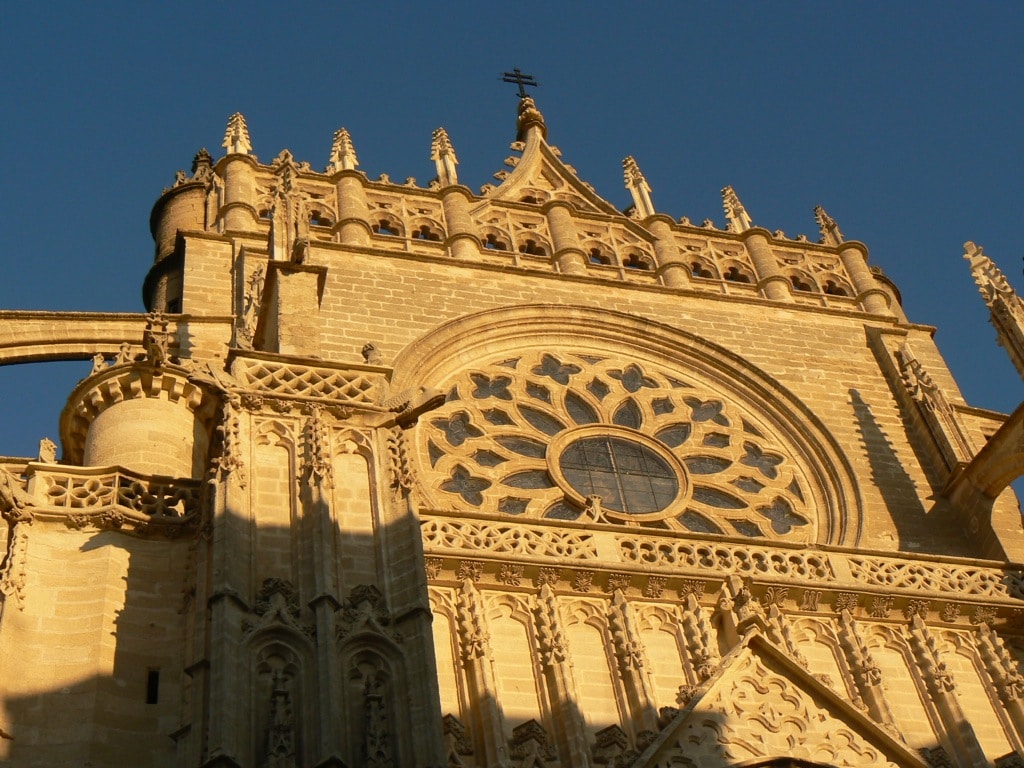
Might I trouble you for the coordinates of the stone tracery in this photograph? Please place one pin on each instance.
(536, 434)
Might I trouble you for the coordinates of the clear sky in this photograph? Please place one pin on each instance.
(904, 120)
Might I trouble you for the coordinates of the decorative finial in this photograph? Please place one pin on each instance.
(990, 279)
(638, 188)
(918, 381)
(529, 117)
(523, 81)
(201, 160)
(343, 154)
(739, 219)
(236, 137)
(830, 234)
(443, 155)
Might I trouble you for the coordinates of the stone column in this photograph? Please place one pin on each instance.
(238, 214)
(870, 294)
(867, 677)
(770, 281)
(1006, 678)
(942, 689)
(353, 227)
(568, 723)
(629, 654)
(568, 255)
(315, 497)
(475, 645)
(461, 242)
(672, 267)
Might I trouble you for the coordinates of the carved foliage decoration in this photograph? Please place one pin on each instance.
(511, 539)
(755, 711)
(278, 696)
(371, 701)
(534, 435)
(276, 606)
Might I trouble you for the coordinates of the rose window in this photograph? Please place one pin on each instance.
(584, 437)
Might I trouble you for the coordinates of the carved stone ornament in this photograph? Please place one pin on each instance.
(612, 748)
(762, 705)
(365, 611)
(228, 431)
(317, 453)
(47, 451)
(472, 634)
(377, 749)
(280, 739)
(12, 569)
(398, 460)
(276, 605)
(511, 436)
(530, 745)
(457, 741)
(156, 339)
(550, 641)
(15, 503)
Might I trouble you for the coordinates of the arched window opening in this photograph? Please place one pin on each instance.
(799, 284)
(636, 261)
(424, 232)
(699, 270)
(596, 257)
(834, 289)
(530, 248)
(529, 199)
(319, 219)
(265, 214)
(385, 227)
(492, 243)
(734, 275)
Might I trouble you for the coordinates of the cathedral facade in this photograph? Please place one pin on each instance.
(415, 476)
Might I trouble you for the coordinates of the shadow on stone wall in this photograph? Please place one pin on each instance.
(917, 529)
(273, 664)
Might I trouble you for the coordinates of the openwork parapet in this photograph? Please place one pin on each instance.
(115, 498)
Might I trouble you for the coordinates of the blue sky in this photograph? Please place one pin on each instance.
(903, 120)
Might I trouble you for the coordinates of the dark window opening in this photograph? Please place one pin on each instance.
(174, 306)
(528, 199)
(492, 243)
(425, 233)
(733, 274)
(318, 219)
(835, 290)
(634, 261)
(699, 270)
(385, 227)
(596, 257)
(800, 284)
(153, 686)
(629, 477)
(531, 248)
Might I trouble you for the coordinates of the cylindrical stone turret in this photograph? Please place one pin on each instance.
(353, 227)
(238, 214)
(870, 294)
(672, 267)
(145, 419)
(461, 240)
(771, 282)
(568, 255)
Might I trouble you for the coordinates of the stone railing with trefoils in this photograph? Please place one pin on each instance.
(674, 555)
(106, 497)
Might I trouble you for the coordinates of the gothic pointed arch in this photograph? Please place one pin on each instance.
(541, 175)
(541, 398)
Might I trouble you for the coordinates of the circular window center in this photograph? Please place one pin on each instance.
(628, 476)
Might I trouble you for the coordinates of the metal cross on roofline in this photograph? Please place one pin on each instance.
(517, 77)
